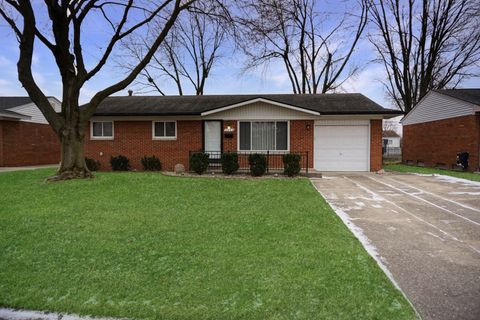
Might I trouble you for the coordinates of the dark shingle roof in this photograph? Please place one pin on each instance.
(390, 134)
(469, 95)
(347, 103)
(12, 102)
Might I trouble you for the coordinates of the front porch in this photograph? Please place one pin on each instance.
(274, 160)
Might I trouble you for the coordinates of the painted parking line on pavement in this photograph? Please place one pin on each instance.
(426, 201)
(436, 195)
(414, 215)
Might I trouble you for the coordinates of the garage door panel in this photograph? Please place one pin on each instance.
(341, 148)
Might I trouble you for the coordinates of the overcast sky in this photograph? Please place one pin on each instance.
(227, 76)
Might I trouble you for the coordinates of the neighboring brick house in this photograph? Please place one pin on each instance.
(442, 124)
(333, 132)
(25, 136)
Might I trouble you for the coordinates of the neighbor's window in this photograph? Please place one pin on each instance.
(102, 129)
(165, 129)
(263, 135)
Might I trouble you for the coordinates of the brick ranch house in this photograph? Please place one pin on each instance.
(336, 132)
(442, 124)
(25, 135)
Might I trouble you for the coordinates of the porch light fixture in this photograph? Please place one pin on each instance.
(228, 131)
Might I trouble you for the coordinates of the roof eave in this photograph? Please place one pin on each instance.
(13, 116)
(384, 114)
(138, 114)
(156, 114)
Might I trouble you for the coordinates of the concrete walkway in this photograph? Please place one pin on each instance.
(425, 230)
(10, 169)
(12, 314)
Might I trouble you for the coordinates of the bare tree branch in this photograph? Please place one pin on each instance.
(188, 55)
(63, 37)
(425, 45)
(298, 33)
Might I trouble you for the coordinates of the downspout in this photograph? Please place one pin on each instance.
(478, 140)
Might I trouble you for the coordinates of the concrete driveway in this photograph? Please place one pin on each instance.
(424, 229)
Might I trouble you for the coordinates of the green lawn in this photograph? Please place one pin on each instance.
(148, 246)
(414, 169)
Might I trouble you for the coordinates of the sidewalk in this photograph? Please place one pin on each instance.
(12, 314)
(9, 169)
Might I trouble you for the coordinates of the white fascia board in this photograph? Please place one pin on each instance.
(144, 118)
(377, 116)
(17, 116)
(244, 103)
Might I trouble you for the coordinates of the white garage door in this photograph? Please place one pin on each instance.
(341, 147)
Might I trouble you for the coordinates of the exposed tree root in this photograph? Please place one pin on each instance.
(68, 174)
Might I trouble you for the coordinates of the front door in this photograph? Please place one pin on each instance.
(213, 138)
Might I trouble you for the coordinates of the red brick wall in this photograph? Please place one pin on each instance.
(439, 141)
(133, 139)
(1, 143)
(301, 138)
(26, 143)
(375, 145)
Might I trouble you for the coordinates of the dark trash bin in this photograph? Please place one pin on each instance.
(462, 160)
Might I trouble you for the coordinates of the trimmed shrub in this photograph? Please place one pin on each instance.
(120, 163)
(258, 164)
(291, 164)
(230, 162)
(151, 163)
(92, 164)
(199, 162)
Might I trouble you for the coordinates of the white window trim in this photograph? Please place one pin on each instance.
(92, 137)
(154, 137)
(263, 151)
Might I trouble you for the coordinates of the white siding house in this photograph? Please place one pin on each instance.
(438, 106)
(392, 142)
(33, 114)
(443, 130)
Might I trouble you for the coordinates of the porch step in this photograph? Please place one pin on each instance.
(314, 174)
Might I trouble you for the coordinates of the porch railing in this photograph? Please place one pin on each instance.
(274, 160)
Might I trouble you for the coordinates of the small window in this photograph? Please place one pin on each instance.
(102, 129)
(164, 130)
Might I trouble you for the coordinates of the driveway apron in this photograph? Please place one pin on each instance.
(425, 230)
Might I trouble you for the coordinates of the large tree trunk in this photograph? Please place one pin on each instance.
(73, 161)
(65, 45)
